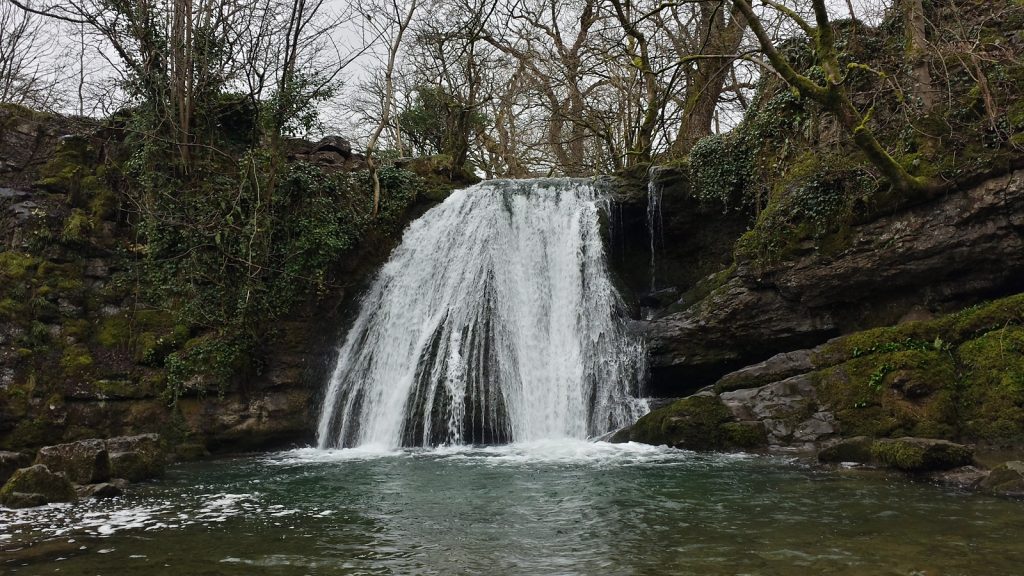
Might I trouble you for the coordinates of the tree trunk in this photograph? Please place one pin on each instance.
(915, 25)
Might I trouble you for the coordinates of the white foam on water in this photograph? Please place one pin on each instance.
(549, 451)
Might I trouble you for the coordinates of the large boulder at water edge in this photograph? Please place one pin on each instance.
(35, 486)
(136, 458)
(699, 422)
(1006, 479)
(84, 461)
(921, 454)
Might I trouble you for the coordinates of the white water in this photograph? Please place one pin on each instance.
(494, 321)
(654, 218)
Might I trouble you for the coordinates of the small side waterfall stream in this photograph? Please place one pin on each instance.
(494, 321)
(654, 219)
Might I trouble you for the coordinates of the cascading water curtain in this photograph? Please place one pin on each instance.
(494, 321)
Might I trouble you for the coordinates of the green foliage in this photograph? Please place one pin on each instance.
(209, 362)
(76, 228)
(720, 168)
(730, 168)
(235, 251)
(438, 123)
(293, 109)
(813, 201)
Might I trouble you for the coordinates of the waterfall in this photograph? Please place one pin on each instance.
(654, 219)
(494, 321)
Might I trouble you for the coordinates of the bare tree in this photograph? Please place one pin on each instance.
(29, 64)
(391, 21)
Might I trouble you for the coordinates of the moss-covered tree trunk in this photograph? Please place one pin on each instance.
(832, 94)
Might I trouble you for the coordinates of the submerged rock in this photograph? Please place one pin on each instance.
(965, 478)
(84, 461)
(100, 491)
(35, 486)
(1005, 480)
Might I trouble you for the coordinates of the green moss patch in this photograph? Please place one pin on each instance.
(959, 377)
(695, 423)
(921, 455)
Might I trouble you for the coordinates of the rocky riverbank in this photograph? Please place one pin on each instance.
(786, 356)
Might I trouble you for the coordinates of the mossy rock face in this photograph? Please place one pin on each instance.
(1007, 479)
(957, 377)
(35, 486)
(992, 398)
(745, 435)
(921, 454)
(85, 461)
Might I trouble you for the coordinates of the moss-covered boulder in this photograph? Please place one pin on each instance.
(921, 454)
(35, 486)
(136, 458)
(1007, 479)
(700, 422)
(84, 461)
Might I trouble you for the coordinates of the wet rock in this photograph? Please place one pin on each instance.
(820, 425)
(99, 491)
(660, 298)
(921, 454)
(24, 500)
(35, 486)
(1007, 479)
(11, 461)
(965, 478)
(774, 369)
(777, 400)
(22, 211)
(788, 409)
(856, 449)
(241, 421)
(136, 458)
(736, 325)
(10, 193)
(84, 461)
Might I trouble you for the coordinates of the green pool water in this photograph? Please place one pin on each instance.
(551, 508)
